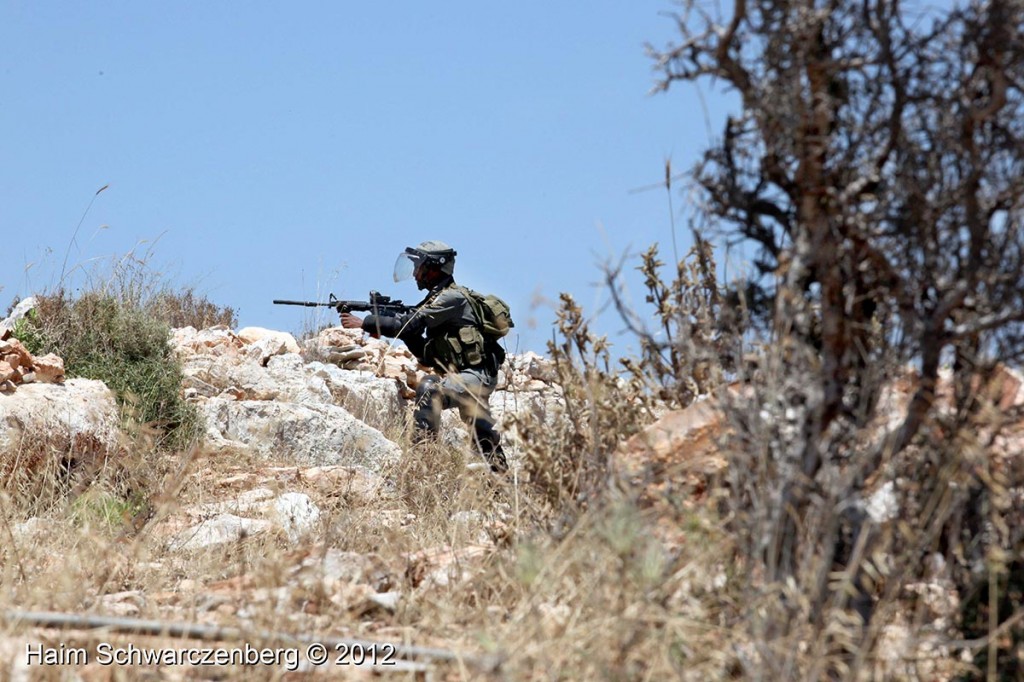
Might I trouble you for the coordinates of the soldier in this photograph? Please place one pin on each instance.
(445, 332)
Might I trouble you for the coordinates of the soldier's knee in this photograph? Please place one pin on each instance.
(427, 415)
(427, 391)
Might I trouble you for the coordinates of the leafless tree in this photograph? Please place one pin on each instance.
(877, 164)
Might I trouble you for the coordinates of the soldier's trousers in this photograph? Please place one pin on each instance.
(469, 391)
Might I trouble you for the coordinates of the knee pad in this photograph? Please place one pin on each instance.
(427, 390)
(428, 405)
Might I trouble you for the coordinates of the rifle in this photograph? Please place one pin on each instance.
(379, 304)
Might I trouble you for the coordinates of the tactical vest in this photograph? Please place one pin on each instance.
(455, 349)
(469, 346)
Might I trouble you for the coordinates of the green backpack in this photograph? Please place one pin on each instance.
(494, 314)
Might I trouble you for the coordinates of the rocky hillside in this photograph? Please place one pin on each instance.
(304, 516)
(302, 461)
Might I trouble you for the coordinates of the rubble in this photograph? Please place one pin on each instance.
(444, 566)
(18, 366)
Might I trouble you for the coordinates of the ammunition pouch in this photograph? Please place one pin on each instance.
(459, 349)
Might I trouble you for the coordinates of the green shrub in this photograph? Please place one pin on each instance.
(124, 344)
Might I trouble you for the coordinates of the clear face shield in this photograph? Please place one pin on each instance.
(405, 266)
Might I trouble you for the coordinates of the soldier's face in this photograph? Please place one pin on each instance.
(426, 276)
(421, 275)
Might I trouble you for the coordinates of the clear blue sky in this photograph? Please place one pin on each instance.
(288, 150)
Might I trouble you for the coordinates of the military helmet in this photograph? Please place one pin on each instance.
(428, 254)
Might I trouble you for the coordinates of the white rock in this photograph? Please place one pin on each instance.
(283, 378)
(78, 409)
(31, 528)
(261, 351)
(24, 307)
(337, 567)
(219, 340)
(882, 506)
(257, 334)
(219, 530)
(375, 400)
(295, 513)
(386, 600)
(356, 485)
(314, 434)
(470, 524)
(247, 502)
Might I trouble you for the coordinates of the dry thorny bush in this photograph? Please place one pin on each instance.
(684, 357)
(837, 587)
(818, 581)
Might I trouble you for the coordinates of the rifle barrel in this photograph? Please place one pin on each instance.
(308, 304)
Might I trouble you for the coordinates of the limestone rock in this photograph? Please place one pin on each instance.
(282, 378)
(80, 417)
(672, 460)
(356, 485)
(311, 434)
(1007, 388)
(257, 334)
(217, 340)
(219, 530)
(680, 433)
(49, 369)
(385, 600)
(17, 366)
(352, 349)
(294, 513)
(882, 505)
(263, 344)
(444, 566)
(24, 307)
(375, 400)
(335, 566)
(339, 338)
(526, 371)
(17, 348)
(246, 503)
(334, 572)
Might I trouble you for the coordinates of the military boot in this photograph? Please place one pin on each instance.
(489, 443)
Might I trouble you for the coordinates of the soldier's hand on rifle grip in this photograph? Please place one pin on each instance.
(350, 321)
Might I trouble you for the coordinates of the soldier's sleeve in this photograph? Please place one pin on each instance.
(384, 325)
(448, 306)
(416, 344)
(407, 328)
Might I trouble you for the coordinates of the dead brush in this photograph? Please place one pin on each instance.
(685, 353)
(187, 308)
(589, 592)
(604, 602)
(39, 470)
(566, 460)
(695, 331)
(832, 583)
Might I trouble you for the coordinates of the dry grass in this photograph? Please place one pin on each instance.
(559, 569)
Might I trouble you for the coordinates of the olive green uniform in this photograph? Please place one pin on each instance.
(443, 332)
